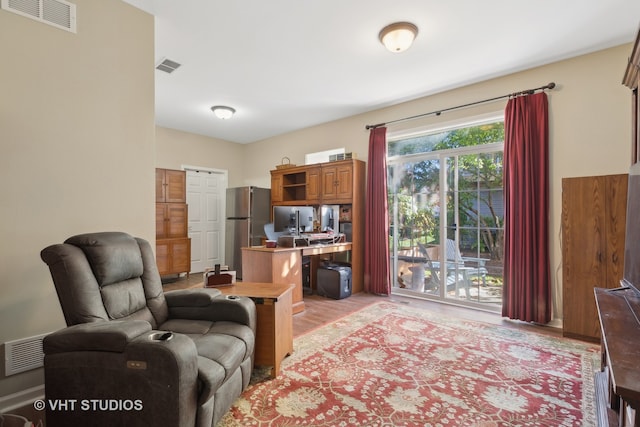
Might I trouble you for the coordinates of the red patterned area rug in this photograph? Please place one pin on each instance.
(392, 365)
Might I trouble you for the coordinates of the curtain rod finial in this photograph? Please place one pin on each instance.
(367, 127)
(551, 85)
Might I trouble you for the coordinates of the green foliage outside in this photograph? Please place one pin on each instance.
(479, 188)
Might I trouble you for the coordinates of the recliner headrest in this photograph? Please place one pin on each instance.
(113, 256)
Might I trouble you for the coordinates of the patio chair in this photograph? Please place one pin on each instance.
(457, 275)
(455, 258)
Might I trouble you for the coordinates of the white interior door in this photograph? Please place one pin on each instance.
(206, 192)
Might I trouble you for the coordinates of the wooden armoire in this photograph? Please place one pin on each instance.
(593, 229)
(173, 245)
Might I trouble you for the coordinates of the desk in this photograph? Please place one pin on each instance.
(274, 329)
(283, 265)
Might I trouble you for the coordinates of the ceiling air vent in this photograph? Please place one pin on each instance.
(168, 66)
(59, 13)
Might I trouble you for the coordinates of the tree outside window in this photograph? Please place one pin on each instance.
(479, 195)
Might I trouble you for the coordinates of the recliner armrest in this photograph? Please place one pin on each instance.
(111, 336)
(200, 297)
(210, 304)
(86, 362)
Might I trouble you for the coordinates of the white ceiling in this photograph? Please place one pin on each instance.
(289, 64)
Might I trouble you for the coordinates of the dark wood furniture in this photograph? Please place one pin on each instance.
(631, 79)
(618, 385)
(341, 183)
(593, 237)
(173, 246)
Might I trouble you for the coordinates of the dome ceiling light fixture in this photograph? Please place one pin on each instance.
(399, 36)
(223, 112)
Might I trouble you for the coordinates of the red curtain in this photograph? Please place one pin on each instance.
(527, 287)
(376, 241)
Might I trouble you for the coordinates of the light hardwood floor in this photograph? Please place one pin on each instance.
(320, 310)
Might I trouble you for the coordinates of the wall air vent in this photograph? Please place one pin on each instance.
(23, 355)
(168, 66)
(59, 13)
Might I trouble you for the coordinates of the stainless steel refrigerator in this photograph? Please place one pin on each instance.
(247, 211)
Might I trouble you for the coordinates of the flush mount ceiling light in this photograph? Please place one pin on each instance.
(223, 112)
(399, 36)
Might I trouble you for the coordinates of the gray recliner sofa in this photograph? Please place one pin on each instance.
(132, 354)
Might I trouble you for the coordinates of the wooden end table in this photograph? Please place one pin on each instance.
(274, 329)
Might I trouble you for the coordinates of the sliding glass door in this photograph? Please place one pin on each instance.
(474, 229)
(414, 202)
(446, 215)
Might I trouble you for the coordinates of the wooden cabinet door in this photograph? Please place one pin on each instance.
(181, 255)
(160, 185)
(337, 182)
(163, 258)
(344, 174)
(329, 183)
(313, 185)
(175, 186)
(171, 186)
(276, 187)
(173, 256)
(593, 226)
(176, 220)
(171, 220)
(161, 221)
(583, 242)
(617, 186)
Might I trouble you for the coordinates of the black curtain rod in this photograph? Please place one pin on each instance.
(438, 112)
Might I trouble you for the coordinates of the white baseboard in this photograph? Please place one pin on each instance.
(20, 399)
(555, 323)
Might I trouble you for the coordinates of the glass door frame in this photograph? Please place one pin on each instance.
(441, 156)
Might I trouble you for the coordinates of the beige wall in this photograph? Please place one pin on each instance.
(589, 127)
(175, 149)
(589, 115)
(77, 150)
